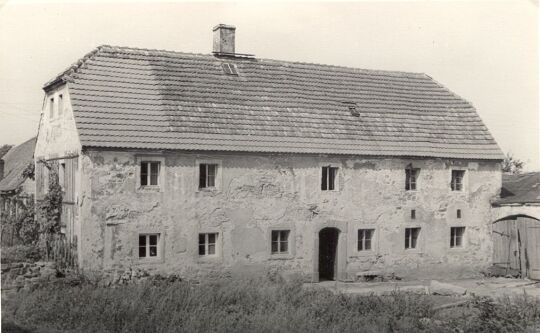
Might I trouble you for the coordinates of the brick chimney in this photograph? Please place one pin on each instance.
(224, 38)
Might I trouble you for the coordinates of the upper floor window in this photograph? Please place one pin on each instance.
(410, 178)
(207, 175)
(150, 173)
(148, 245)
(280, 241)
(365, 237)
(329, 176)
(51, 108)
(60, 105)
(457, 180)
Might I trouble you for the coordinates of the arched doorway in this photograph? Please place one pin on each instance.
(516, 245)
(328, 250)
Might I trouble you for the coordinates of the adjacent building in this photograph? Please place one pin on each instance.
(191, 163)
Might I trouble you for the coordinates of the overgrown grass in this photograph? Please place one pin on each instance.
(252, 305)
(20, 253)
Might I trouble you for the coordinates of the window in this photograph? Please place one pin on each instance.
(413, 214)
(60, 105)
(207, 175)
(410, 179)
(328, 182)
(148, 245)
(207, 244)
(411, 237)
(458, 213)
(364, 239)
(150, 173)
(229, 69)
(51, 108)
(280, 241)
(456, 236)
(62, 176)
(457, 180)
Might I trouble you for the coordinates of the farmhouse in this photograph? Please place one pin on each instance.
(196, 163)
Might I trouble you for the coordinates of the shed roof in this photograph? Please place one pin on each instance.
(138, 98)
(15, 161)
(520, 189)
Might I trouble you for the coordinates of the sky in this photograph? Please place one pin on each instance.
(484, 51)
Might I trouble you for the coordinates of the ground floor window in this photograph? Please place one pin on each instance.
(456, 236)
(148, 245)
(411, 237)
(365, 237)
(280, 241)
(207, 244)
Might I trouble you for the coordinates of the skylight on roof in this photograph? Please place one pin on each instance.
(352, 108)
(229, 69)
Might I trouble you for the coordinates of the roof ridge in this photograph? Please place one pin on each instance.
(173, 52)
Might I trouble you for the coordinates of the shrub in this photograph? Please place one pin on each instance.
(20, 253)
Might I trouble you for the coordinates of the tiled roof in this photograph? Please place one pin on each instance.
(137, 98)
(15, 161)
(520, 189)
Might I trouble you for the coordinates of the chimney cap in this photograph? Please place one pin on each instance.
(224, 26)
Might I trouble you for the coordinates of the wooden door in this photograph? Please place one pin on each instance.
(533, 249)
(506, 252)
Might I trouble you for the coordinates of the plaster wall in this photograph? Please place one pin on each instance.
(258, 192)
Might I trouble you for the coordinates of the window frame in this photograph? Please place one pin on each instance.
(410, 181)
(418, 247)
(371, 240)
(160, 245)
(51, 107)
(336, 177)
(218, 177)
(206, 243)
(280, 241)
(291, 246)
(160, 177)
(453, 187)
(453, 237)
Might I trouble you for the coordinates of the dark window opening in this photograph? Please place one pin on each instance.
(457, 180)
(148, 245)
(410, 179)
(328, 181)
(365, 237)
(207, 175)
(458, 213)
(150, 173)
(411, 237)
(207, 244)
(280, 241)
(413, 214)
(456, 236)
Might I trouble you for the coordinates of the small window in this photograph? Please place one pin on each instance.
(60, 105)
(150, 173)
(280, 241)
(458, 213)
(457, 180)
(207, 175)
(62, 176)
(410, 179)
(229, 69)
(365, 237)
(329, 175)
(51, 108)
(207, 244)
(411, 237)
(148, 245)
(413, 214)
(456, 236)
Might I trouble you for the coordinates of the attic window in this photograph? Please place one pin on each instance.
(352, 108)
(229, 69)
